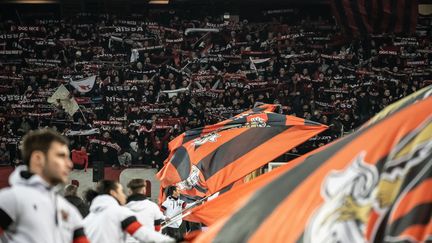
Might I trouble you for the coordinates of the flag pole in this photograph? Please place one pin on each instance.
(79, 108)
(180, 215)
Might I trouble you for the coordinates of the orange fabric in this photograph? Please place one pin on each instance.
(265, 152)
(415, 232)
(81, 239)
(299, 206)
(178, 141)
(162, 196)
(421, 194)
(189, 236)
(308, 193)
(427, 233)
(373, 219)
(224, 204)
(133, 227)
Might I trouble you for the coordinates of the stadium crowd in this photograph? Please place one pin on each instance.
(160, 75)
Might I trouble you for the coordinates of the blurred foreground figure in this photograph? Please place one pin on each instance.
(31, 210)
(109, 221)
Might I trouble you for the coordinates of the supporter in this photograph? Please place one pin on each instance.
(172, 207)
(33, 192)
(306, 66)
(109, 221)
(146, 211)
(5, 158)
(71, 195)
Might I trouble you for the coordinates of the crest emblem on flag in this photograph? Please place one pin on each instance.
(351, 195)
(211, 137)
(84, 85)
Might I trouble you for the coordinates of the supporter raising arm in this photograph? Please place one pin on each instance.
(109, 221)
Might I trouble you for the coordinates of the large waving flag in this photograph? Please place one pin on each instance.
(228, 151)
(193, 194)
(372, 185)
(225, 204)
(361, 17)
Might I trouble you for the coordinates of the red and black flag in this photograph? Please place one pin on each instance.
(198, 132)
(214, 160)
(370, 186)
(209, 212)
(363, 17)
(226, 203)
(193, 193)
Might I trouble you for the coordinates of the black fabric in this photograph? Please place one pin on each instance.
(136, 197)
(235, 148)
(181, 161)
(5, 220)
(82, 207)
(158, 222)
(78, 233)
(239, 227)
(128, 221)
(26, 174)
(394, 16)
(379, 17)
(419, 215)
(173, 232)
(407, 17)
(340, 11)
(358, 17)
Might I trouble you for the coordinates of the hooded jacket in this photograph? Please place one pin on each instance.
(109, 222)
(146, 211)
(32, 211)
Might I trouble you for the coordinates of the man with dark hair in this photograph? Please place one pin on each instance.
(31, 209)
(172, 207)
(70, 194)
(110, 222)
(146, 211)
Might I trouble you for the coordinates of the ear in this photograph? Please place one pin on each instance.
(113, 193)
(37, 159)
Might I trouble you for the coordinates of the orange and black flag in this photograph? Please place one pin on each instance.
(213, 161)
(363, 17)
(370, 186)
(198, 132)
(225, 204)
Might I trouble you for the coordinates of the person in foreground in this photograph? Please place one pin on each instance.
(31, 210)
(109, 221)
(146, 211)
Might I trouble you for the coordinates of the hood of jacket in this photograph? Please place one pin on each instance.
(21, 176)
(103, 202)
(135, 202)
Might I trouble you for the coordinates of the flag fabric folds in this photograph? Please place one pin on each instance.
(84, 85)
(362, 17)
(368, 186)
(62, 97)
(221, 154)
(197, 132)
(211, 211)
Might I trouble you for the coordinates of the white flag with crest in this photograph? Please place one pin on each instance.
(84, 85)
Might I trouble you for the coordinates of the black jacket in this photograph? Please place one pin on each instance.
(82, 207)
